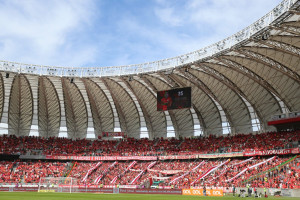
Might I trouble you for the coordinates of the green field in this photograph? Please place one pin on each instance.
(83, 196)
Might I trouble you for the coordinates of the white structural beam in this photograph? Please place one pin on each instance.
(33, 81)
(107, 93)
(82, 89)
(58, 86)
(7, 89)
(135, 101)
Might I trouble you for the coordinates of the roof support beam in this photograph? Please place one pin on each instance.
(69, 102)
(219, 76)
(296, 12)
(288, 30)
(49, 115)
(279, 46)
(117, 104)
(202, 86)
(252, 75)
(145, 113)
(265, 60)
(93, 104)
(169, 80)
(42, 92)
(154, 120)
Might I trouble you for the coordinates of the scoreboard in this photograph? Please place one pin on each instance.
(174, 99)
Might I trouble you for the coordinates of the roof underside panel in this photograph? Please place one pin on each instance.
(230, 101)
(20, 107)
(204, 103)
(2, 95)
(147, 99)
(129, 116)
(76, 114)
(286, 88)
(264, 103)
(101, 110)
(48, 109)
(184, 122)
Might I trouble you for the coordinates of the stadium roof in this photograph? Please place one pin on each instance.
(237, 84)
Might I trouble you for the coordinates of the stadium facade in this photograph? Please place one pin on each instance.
(237, 85)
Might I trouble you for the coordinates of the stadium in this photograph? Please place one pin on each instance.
(221, 121)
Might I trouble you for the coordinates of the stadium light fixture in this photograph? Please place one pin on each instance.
(265, 36)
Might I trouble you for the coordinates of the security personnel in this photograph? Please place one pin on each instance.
(233, 190)
(249, 190)
(265, 191)
(204, 190)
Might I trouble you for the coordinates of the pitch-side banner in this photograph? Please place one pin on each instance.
(217, 155)
(209, 192)
(221, 155)
(272, 152)
(99, 158)
(136, 157)
(178, 157)
(151, 191)
(152, 158)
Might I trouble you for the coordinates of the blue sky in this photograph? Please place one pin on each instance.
(95, 33)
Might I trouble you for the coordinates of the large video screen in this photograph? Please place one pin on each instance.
(174, 99)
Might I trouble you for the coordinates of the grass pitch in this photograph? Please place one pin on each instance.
(85, 196)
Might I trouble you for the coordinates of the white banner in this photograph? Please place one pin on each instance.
(137, 177)
(90, 171)
(187, 172)
(253, 166)
(210, 171)
(243, 161)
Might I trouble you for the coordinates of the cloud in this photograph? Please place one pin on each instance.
(196, 24)
(39, 31)
(227, 16)
(167, 16)
(102, 33)
(201, 23)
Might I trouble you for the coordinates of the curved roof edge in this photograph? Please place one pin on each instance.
(258, 28)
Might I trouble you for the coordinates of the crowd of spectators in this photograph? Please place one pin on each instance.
(80, 169)
(241, 142)
(29, 172)
(284, 177)
(138, 147)
(5, 171)
(22, 171)
(266, 174)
